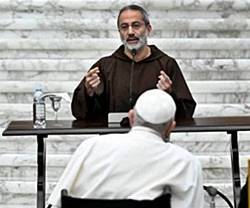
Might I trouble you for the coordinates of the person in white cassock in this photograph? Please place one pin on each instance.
(137, 165)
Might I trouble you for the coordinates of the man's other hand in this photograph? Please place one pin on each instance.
(93, 82)
(164, 82)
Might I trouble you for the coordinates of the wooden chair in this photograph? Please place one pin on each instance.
(245, 191)
(74, 202)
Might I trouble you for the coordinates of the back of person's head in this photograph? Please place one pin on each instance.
(154, 109)
(134, 7)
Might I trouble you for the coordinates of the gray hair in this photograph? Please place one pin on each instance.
(159, 128)
(135, 8)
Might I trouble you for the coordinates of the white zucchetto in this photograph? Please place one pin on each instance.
(155, 106)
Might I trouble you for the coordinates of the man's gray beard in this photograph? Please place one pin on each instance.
(142, 42)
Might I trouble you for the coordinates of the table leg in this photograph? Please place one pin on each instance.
(41, 173)
(235, 167)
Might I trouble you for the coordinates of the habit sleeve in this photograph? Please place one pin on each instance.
(180, 92)
(83, 106)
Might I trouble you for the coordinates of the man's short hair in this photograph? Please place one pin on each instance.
(157, 127)
(135, 7)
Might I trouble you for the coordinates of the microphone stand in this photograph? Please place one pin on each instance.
(133, 52)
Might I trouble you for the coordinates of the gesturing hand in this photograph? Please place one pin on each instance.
(93, 82)
(164, 82)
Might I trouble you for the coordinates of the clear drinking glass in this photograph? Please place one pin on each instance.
(56, 104)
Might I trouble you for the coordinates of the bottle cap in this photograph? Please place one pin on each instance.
(38, 87)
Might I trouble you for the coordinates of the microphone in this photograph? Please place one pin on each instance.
(125, 121)
(133, 52)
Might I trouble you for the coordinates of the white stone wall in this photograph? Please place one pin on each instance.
(54, 42)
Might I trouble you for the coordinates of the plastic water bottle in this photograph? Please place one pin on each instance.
(39, 113)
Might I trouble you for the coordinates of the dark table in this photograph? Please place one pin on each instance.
(231, 125)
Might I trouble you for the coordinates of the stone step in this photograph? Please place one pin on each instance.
(81, 65)
(57, 34)
(211, 142)
(17, 205)
(24, 111)
(70, 65)
(22, 176)
(55, 144)
(24, 193)
(72, 69)
(40, 22)
(24, 166)
(100, 5)
(207, 110)
(28, 86)
(64, 65)
(97, 47)
(104, 44)
(57, 41)
(27, 173)
(204, 92)
(93, 54)
(196, 142)
(194, 75)
(196, 87)
(44, 75)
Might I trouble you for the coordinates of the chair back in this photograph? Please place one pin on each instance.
(74, 202)
(245, 191)
(248, 184)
